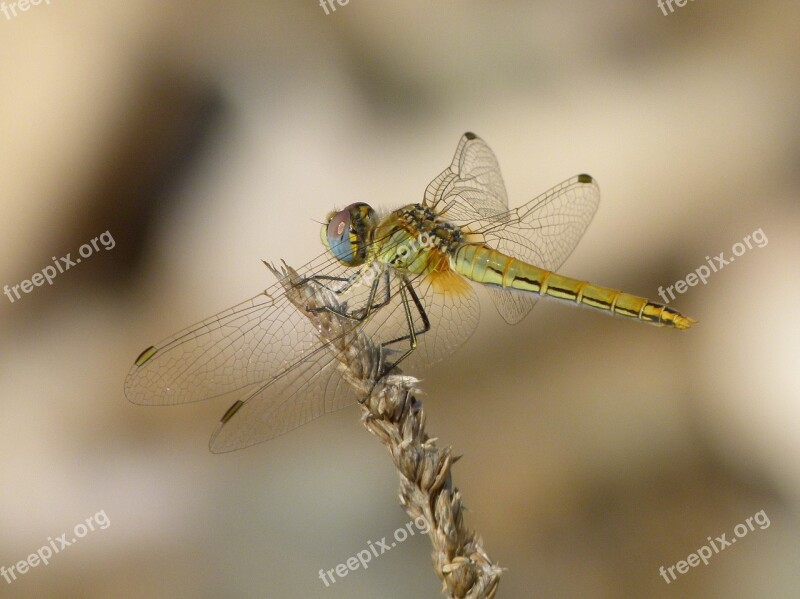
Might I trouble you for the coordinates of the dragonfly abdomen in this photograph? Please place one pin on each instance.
(485, 265)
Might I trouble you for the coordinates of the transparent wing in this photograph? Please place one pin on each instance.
(543, 232)
(300, 394)
(472, 186)
(268, 350)
(250, 343)
(312, 387)
(453, 316)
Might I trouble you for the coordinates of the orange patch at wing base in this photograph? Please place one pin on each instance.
(444, 280)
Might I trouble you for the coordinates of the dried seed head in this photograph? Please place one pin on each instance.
(392, 412)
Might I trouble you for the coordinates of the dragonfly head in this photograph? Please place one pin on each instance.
(347, 233)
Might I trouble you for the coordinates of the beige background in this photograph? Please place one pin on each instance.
(205, 136)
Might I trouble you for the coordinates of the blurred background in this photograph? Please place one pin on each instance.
(205, 136)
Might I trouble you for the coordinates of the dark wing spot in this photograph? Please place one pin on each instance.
(584, 178)
(145, 356)
(470, 135)
(232, 410)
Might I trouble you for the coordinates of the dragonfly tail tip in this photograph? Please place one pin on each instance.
(684, 322)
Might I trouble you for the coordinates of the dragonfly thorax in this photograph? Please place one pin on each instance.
(414, 239)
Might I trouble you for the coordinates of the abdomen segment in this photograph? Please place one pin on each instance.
(485, 265)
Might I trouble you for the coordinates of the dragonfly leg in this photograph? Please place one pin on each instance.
(406, 290)
(387, 295)
(348, 282)
(361, 314)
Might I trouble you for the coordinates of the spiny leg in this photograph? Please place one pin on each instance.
(406, 289)
(348, 282)
(360, 314)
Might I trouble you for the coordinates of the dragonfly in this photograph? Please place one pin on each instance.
(404, 279)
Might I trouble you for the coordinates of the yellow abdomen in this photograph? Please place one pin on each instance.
(485, 265)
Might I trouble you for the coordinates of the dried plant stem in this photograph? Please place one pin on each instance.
(392, 413)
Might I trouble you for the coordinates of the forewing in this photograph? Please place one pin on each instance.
(248, 344)
(269, 350)
(472, 186)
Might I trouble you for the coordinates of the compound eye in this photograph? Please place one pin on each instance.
(338, 225)
(338, 234)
